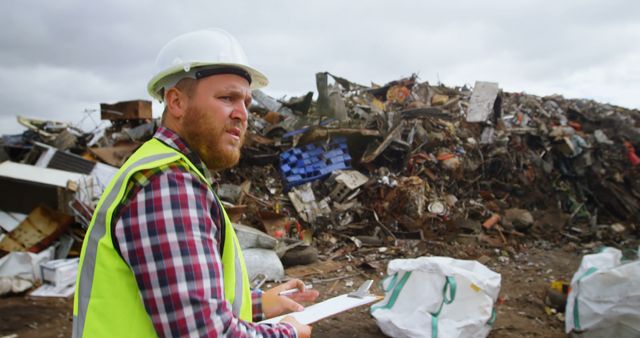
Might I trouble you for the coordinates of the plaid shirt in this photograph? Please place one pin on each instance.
(168, 232)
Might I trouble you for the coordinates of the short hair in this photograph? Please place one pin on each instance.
(186, 86)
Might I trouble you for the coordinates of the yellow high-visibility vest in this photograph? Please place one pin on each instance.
(107, 299)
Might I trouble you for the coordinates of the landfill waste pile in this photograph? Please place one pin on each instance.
(363, 174)
(409, 161)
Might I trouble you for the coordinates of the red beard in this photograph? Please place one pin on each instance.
(210, 140)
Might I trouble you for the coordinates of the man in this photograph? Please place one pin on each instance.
(160, 256)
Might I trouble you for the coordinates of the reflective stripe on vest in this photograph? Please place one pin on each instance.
(98, 312)
(236, 292)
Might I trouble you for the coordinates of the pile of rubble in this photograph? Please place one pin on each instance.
(387, 167)
(409, 160)
(52, 176)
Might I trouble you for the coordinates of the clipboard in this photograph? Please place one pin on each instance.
(332, 306)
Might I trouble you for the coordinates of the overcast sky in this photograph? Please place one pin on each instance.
(59, 58)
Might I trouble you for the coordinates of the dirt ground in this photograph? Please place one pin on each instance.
(525, 277)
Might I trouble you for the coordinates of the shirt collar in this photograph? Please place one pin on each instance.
(173, 140)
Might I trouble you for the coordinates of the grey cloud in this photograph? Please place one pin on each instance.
(60, 57)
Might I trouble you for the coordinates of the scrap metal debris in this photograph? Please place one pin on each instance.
(366, 174)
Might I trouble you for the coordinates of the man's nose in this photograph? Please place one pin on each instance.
(240, 111)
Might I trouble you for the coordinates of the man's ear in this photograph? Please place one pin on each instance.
(176, 103)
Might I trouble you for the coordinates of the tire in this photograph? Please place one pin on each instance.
(300, 255)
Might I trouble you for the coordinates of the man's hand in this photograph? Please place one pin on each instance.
(304, 331)
(275, 305)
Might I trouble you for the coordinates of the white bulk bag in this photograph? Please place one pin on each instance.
(604, 300)
(437, 297)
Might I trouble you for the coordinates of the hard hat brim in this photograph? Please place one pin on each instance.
(258, 79)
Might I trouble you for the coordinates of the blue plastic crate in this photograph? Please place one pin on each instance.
(313, 161)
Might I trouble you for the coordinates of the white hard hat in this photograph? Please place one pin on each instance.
(198, 54)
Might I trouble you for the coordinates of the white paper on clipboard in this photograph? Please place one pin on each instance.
(328, 308)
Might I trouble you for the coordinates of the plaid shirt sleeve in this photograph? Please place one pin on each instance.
(256, 303)
(169, 235)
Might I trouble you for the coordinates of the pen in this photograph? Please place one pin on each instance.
(292, 291)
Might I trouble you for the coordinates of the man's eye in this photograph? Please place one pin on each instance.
(225, 98)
